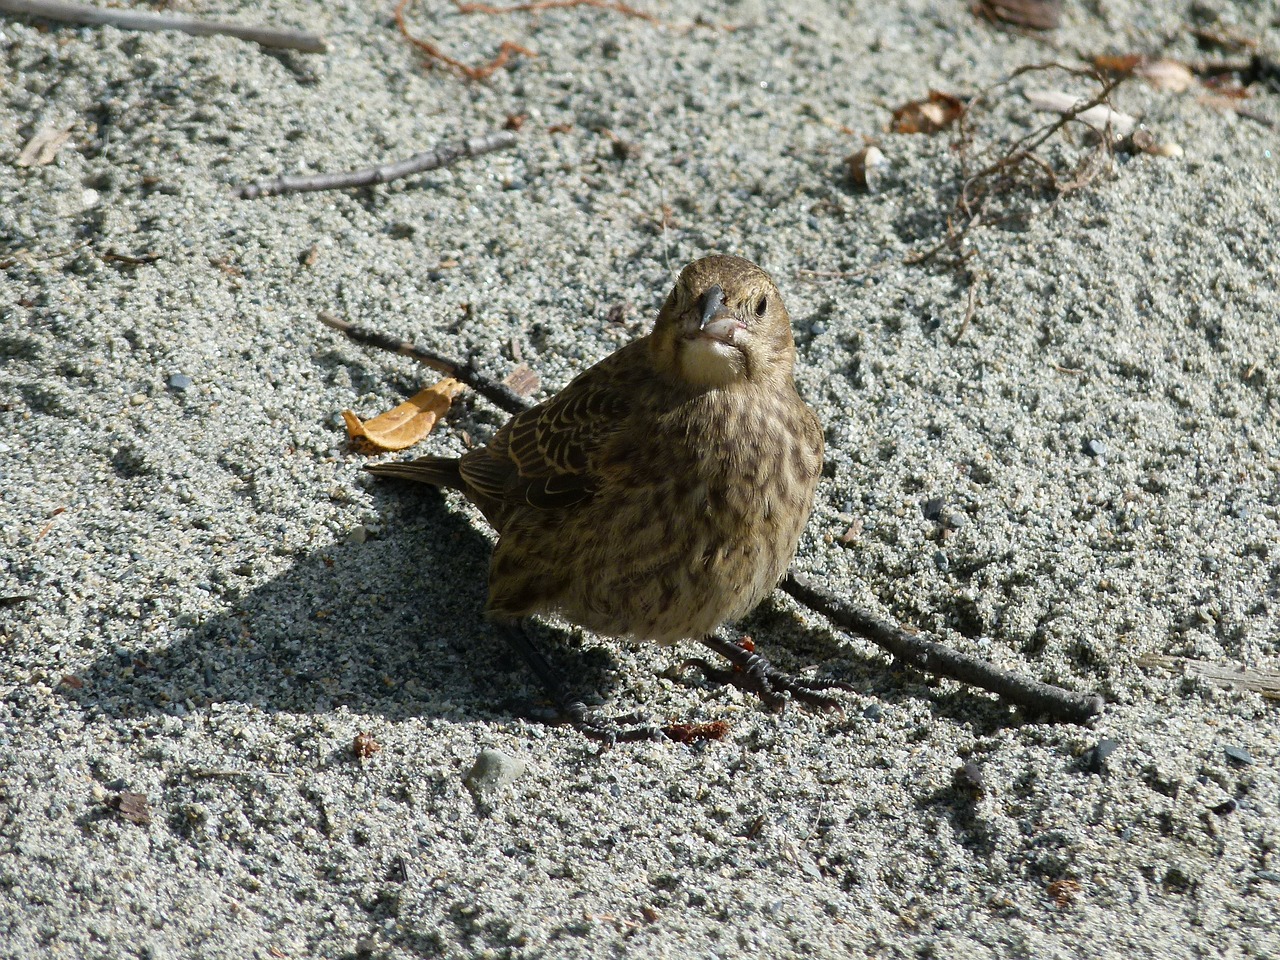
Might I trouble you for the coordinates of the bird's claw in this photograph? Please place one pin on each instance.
(754, 673)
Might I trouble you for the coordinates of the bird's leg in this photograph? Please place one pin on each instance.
(753, 672)
(572, 708)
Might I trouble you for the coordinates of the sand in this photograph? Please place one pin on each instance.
(1062, 455)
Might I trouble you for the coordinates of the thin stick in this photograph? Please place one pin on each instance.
(932, 657)
(929, 656)
(418, 163)
(133, 20)
(499, 394)
(539, 6)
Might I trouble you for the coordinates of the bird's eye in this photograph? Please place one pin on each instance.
(762, 306)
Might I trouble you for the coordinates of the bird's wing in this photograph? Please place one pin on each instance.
(544, 456)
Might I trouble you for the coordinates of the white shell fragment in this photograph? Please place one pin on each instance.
(1100, 117)
(866, 168)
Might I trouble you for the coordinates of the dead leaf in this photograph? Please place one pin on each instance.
(1171, 75)
(132, 807)
(406, 424)
(1223, 38)
(1031, 14)
(930, 115)
(1118, 63)
(1100, 117)
(44, 146)
(691, 732)
(1064, 892)
(522, 381)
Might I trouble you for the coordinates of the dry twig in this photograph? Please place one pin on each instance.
(136, 20)
(1018, 168)
(418, 163)
(506, 49)
(932, 657)
(540, 5)
(505, 52)
(929, 656)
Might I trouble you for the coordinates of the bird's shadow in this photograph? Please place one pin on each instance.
(389, 624)
(392, 624)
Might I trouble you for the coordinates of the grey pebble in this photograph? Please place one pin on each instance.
(1238, 755)
(1095, 448)
(492, 771)
(180, 382)
(1095, 759)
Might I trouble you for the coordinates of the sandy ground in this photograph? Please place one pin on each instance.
(1081, 475)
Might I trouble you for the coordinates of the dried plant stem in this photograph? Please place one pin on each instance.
(499, 394)
(418, 163)
(505, 52)
(932, 657)
(137, 20)
(538, 6)
(1001, 175)
(929, 656)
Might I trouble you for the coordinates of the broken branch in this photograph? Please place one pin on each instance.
(418, 163)
(932, 657)
(134, 20)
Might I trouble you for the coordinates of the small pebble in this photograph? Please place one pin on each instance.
(180, 382)
(969, 778)
(1224, 808)
(1238, 755)
(1095, 448)
(492, 771)
(931, 508)
(1095, 759)
(873, 712)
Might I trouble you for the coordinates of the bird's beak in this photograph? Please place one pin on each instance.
(716, 321)
(712, 304)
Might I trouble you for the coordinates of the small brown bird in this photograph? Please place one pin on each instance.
(663, 491)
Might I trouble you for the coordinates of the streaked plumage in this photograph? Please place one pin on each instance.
(663, 491)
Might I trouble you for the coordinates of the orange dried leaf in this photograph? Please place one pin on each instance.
(691, 732)
(930, 115)
(1118, 63)
(406, 424)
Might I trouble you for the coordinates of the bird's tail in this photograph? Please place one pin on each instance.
(437, 471)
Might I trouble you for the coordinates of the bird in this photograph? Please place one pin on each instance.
(661, 493)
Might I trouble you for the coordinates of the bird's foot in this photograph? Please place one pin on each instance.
(752, 672)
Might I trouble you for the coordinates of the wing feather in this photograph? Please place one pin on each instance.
(545, 457)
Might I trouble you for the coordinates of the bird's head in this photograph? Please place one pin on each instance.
(724, 323)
